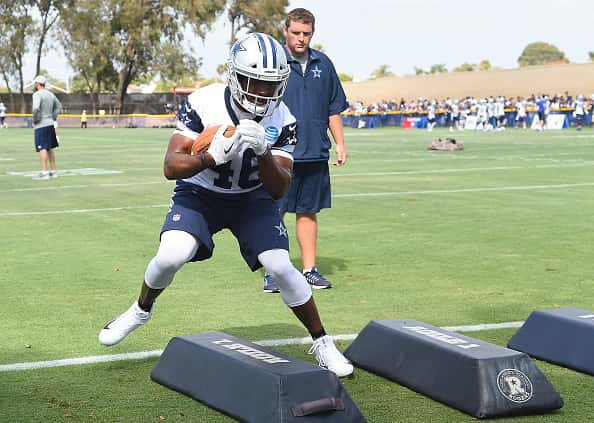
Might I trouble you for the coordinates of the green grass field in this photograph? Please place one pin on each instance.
(484, 235)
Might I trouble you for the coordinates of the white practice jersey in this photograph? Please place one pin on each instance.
(490, 109)
(455, 110)
(580, 107)
(500, 108)
(521, 108)
(481, 112)
(212, 105)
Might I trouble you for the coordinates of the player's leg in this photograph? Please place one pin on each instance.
(43, 159)
(270, 284)
(42, 145)
(296, 293)
(264, 241)
(52, 162)
(307, 237)
(314, 195)
(43, 156)
(306, 226)
(176, 249)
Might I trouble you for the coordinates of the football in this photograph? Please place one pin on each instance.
(205, 138)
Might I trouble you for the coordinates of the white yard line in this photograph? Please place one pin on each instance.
(459, 170)
(573, 163)
(60, 187)
(74, 211)
(94, 359)
(461, 190)
(354, 195)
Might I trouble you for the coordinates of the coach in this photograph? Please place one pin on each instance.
(45, 112)
(315, 96)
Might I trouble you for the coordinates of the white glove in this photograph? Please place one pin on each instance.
(253, 134)
(222, 148)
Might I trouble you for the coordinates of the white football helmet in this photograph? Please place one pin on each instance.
(257, 57)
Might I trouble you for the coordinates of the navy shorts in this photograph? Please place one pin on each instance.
(253, 218)
(310, 189)
(45, 138)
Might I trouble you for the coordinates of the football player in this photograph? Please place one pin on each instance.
(233, 185)
(579, 106)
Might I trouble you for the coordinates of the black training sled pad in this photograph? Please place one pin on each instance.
(251, 383)
(562, 336)
(479, 378)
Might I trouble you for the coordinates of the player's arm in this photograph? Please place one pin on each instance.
(179, 163)
(36, 111)
(337, 131)
(276, 173)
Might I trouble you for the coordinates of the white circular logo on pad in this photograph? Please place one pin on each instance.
(514, 385)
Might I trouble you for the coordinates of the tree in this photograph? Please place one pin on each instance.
(381, 72)
(465, 67)
(539, 53)
(439, 68)
(143, 29)
(138, 38)
(86, 36)
(164, 85)
(221, 69)
(49, 11)
(420, 71)
(16, 26)
(591, 54)
(484, 65)
(257, 16)
(344, 77)
(319, 47)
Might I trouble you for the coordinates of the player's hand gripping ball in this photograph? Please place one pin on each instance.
(205, 138)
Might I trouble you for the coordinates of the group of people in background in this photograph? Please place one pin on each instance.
(489, 111)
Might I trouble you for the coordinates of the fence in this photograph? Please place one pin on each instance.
(15, 120)
(135, 103)
(349, 119)
(419, 119)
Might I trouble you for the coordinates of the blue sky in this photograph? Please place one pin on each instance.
(361, 35)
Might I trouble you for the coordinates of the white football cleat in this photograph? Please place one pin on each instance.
(329, 357)
(117, 329)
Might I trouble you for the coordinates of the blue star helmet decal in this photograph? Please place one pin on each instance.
(237, 48)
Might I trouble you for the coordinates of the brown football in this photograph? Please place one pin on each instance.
(205, 138)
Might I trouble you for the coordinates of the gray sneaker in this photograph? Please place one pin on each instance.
(316, 280)
(270, 284)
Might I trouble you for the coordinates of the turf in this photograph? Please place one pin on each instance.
(483, 235)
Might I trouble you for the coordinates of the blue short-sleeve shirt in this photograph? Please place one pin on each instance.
(313, 97)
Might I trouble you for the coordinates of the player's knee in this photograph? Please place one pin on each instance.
(294, 289)
(176, 249)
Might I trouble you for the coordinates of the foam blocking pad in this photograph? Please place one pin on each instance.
(253, 384)
(562, 336)
(479, 378)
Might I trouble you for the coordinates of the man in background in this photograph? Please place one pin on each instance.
(83, 119)
(316, 98)
(45, 113)
(3, 115)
